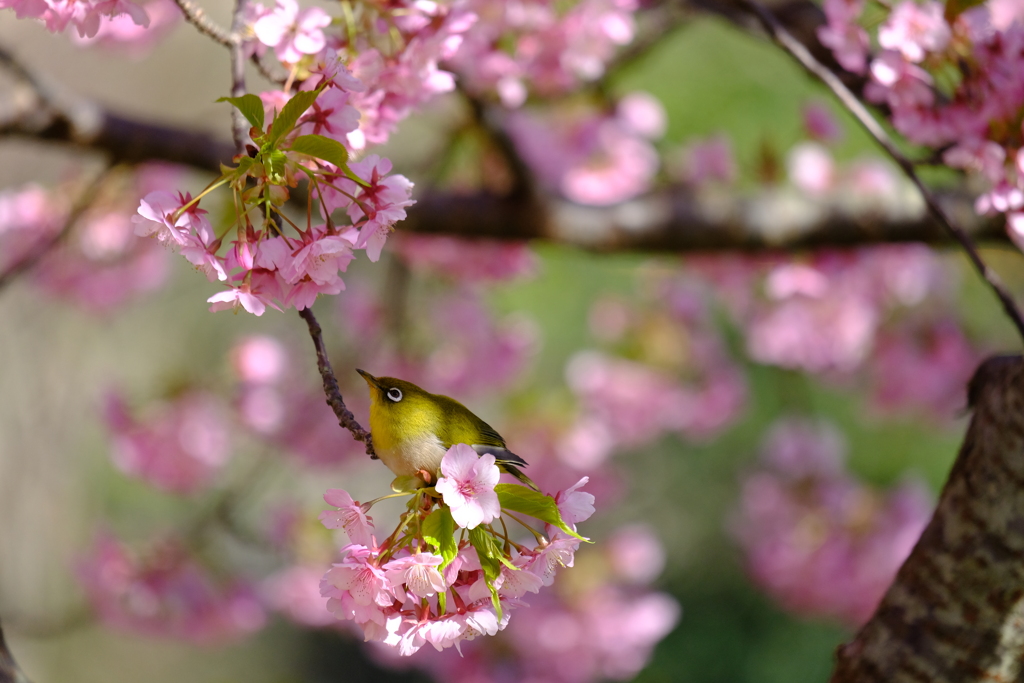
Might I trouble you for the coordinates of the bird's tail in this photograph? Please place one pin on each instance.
(518, 474)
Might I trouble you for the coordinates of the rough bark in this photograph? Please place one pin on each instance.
(955, 612)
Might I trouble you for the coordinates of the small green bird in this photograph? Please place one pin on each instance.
(412, 429)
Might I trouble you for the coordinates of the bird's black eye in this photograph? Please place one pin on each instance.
(395, 394)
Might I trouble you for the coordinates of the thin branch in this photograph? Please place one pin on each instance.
(334, 399)
(197, 17)
(800, 52)
(85, 199)
(239, 126)
(9, 671)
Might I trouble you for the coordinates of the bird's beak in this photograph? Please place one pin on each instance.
(370, 379)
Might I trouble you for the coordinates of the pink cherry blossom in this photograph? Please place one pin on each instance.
(848, 41)
(155, 217)
(419, 572)
(331, 115)
(123, 33)
(236, 297)
(351, 517)
(468, 486)
(376, 208)
(899, 83)
(574, 505)
(915, 29)
(359, 576)
(292, 33)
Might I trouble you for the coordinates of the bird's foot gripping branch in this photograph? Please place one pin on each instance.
(452, 569)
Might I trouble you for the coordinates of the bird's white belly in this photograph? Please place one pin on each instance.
(412, 455)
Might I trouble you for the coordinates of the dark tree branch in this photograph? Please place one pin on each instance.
(679, 219)
(955, 613)
(799, 52)
(334, 399)
(9, 671)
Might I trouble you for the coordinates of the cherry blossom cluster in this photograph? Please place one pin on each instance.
(818, 540)
(393, 48)
(451, 570)
(85, 15)
(518, 47)
(950, 76)
(166, 592)
(273, 261)
(600, 624)
(822, 313)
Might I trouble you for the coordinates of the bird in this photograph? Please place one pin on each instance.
(412, 429)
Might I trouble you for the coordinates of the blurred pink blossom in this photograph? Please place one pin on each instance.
(123, 33)
(291, 32)
(589, 157)
(820, 123)
(295, 592)
(820, 542)
(179, 447)
(841, 33)
(259, 359)
(922, 368)
(811, 168)
(915, 29)
(166, 593)
(709, 160)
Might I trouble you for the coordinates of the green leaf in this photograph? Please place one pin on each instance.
(329, 150)
(290, 113)
(439, 531)
(275, 162)
(521, 499)
(488, 552)
(251, 107)
(322, 148)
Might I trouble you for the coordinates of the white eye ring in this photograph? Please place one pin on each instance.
(395, 394)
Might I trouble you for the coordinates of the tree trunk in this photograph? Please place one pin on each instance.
(956, 609)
